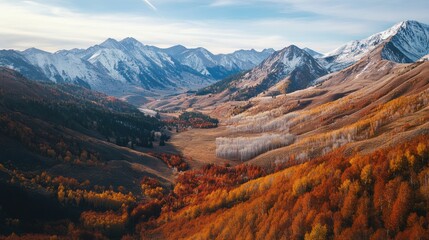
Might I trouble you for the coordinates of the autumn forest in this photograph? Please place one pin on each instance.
(289, 144)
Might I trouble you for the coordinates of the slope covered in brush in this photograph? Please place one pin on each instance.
(380, 195)
(63, 128)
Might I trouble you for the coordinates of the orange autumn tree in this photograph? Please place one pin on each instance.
(336, 196)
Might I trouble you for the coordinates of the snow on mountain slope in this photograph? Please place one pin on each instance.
(313, 53)
(350, 53)
(247, 59)
(133, 65)
(16, 61)
(146, 54)
(199, 59)
(405, 42)
(292, 65)
(409, 44)
(112, 60)
(174, 50)
(204, 62)
(132, 62)
(63, 67)
(217, 66)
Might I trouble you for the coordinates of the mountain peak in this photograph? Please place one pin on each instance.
(178, 46)
(35, 51)
(268, 50)
(288, 59)
(410, 25)
(293, 68)
(110, 43)
(292, 51)
(201, 49)
(396, 28)
(294, 47)
(397, 46)
(205, 53)
(410, 22)
(313, 53)
(244, 51)
(175, 50)
(131, 41)
(409, 43)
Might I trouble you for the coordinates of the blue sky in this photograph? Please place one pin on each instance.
(219, 25)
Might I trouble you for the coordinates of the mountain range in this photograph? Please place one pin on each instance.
(121, 67)
(217, 66)
(292, 68)
(114, 65)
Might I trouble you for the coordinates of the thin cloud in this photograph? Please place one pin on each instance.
(45, 24)
(222, 3)
(150, 5)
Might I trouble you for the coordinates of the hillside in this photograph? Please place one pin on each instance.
(356, 167)
(338, 111)
(354, 149)
(61, 122)
(66, 141)
(382, 195)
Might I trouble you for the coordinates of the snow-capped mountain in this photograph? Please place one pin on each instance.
(64, 67)
(293, 66)
(127, 65)
(409, 44)
(199, 59)
(217, 66)
(405, 42)
(247, 59)
(16, 61)
(313, 53)
(129, 61)
(130, 64)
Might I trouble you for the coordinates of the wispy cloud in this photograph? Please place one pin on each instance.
(219, 25)
(53, 28)
(220, 3)
(366, 10)
(150, 5)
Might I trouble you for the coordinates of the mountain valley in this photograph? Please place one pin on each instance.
(128, 141)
